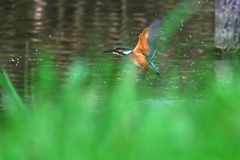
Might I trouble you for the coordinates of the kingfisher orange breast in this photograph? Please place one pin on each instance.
(139, 60)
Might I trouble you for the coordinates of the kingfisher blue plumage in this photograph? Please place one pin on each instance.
(145, 49)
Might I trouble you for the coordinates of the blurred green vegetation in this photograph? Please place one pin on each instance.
(77, 121)
(80, 125)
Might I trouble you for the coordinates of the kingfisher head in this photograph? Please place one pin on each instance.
(119, 50)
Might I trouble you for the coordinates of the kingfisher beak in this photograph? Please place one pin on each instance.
(108, 50)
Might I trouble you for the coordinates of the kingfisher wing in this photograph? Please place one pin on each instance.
(149, 39)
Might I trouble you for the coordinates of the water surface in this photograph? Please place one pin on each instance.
(77, 30)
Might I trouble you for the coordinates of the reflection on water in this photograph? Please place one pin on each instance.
(79, 29)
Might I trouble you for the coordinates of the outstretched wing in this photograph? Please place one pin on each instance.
(149, 39)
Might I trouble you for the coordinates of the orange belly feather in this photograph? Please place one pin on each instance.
(140, 60)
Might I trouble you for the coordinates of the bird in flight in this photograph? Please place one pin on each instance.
(145, 49)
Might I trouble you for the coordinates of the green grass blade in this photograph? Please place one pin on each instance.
(9, 88)
(177, 17)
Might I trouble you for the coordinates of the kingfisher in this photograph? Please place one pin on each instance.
(145, 49)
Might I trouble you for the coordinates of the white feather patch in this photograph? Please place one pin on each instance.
(128, 52)
(116, 53)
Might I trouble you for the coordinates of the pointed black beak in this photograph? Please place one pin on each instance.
(108, 50)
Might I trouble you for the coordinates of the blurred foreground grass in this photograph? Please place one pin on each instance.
(78, 125)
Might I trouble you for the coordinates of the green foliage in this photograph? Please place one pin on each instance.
(80, 125)
(10, 90)
(177, 17)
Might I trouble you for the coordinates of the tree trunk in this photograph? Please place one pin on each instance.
(227, 24)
